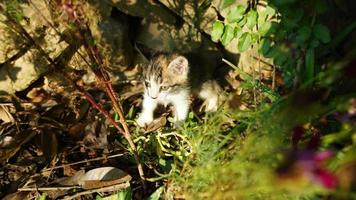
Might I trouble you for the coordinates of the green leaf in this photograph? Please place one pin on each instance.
(254, 37)
(265, 46)
(314, 43)
(294, 15)
(322, 32)
(238, 32)
(42, 197)
(265, 28)
(321, 6)
(265, 14)
(165, 165)
(280, 59)
(309, 64)
(218, 30)
(227, 3)
(251, 16)
(272, 52)
(281, 34)
(157, 194)
(125, 194)
(270, 11)
(228, 35)
(244, 42)
(236, 14)
(273, 29)
(242, 22)
(303, 34)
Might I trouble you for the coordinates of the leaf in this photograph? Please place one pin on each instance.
(242, 22)
(165, 165)
(309, 64)
(227, 3)
(272, 52)
(281, 34)
(314, 43)
(265, 28)
(130, 114)
(251, 16)
(265, 14)
(280, 59)
(254, 37)
(238, 32)
(322, 32)
(218, 30)
(157, 194)
(265, 46)
(100, 177)
(244, 42)
(236, 14)
(303, 34)
(294, 15)
(125, 195)
(321, 6)
(273, 29)
(270, 11)
(228, 35)
(42, 197)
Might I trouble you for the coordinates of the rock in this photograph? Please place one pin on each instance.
(9, 41)
(29, 63)
(146, 9)
(198, 14)
(168, 38)
(223, 8)
(110, 32)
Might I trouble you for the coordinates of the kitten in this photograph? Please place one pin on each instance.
(170, 80)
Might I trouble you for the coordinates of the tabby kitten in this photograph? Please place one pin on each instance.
(169, 80)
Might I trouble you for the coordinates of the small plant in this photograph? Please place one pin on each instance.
(280, 30)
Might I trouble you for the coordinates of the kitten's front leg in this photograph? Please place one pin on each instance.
(181, 107)
(148, 107)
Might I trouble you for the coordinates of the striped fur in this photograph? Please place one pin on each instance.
(167, 81)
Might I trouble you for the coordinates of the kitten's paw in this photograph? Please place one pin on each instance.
(143, 120)
(209, 106)
(212, 105)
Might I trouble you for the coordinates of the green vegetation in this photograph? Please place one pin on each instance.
(261, 156)
(289, 139)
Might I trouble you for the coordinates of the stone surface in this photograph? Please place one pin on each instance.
(165, 37)
(146, 9)
(110, 33)
(197, 13)
(28, 66)
(9, 41)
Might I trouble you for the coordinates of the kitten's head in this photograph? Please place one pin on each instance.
(165, 74)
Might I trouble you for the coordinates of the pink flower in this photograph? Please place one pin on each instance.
(309, 164)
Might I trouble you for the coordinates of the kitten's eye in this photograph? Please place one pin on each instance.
(164, 87)
(147, 84)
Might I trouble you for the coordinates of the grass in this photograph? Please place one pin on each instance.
(234, 154)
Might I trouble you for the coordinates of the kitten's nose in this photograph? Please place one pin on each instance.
(153, 97)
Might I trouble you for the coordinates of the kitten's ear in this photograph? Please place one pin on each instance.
(179, 66)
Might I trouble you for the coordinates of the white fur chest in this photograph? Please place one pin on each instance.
(178, 98)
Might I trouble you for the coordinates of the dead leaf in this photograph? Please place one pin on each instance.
(96, 178)
(156, 124)
(5, 114)
(95, 136)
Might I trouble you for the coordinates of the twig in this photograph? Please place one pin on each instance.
(117, 187)
(85, 36)
(18, 27)
(83, 161)
(48, 188)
